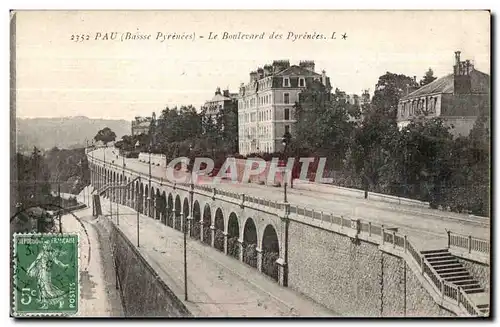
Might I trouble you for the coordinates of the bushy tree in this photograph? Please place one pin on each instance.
(388, 91)
(105, 135)
(428, 77)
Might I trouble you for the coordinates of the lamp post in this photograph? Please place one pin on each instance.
(149, 182)
(285, 141)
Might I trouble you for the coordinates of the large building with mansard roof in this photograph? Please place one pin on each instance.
(458, 98)
(266, 104)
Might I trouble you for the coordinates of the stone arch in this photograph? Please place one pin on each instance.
(219, 230)
(270, 251)
(233, 236)
(170, 208)
(178, 208)
(206, 223)
(250, 240)
(195, 225)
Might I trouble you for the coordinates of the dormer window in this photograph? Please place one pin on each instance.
(302, 82)
(286, 82)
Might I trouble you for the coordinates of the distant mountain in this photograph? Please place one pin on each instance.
(64, 132)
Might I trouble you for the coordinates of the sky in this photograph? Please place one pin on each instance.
(115, 79)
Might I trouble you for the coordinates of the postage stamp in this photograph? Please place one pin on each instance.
(46, 273)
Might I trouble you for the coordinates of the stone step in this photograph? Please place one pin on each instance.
(458, 278)
(466, 282)
(474, 290)
(450, 268)
(434, 251)
(440, 258)
(447, 275)
(434, 255)
(470, 286)
(444, 262)
(482, 306)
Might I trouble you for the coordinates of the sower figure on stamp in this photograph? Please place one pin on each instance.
(41, 270)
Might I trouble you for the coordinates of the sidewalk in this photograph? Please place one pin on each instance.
(218, 285)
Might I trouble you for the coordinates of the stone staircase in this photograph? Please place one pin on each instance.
(451, 270)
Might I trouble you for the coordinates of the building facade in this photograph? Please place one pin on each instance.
(219, 102)
(141, 125)
(458, 98)
(266, 104)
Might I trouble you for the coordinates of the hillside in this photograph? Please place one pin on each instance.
(64, 132)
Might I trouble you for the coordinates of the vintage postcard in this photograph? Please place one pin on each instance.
(250, 164)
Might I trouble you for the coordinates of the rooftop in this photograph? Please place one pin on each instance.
(480, 83)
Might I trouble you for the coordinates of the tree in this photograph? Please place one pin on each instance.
(428, 78)
(388, 91)
(105, 135)
(323, 127)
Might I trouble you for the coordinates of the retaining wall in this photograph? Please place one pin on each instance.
(143, 292)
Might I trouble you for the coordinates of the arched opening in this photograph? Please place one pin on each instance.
(146, 200)
(185, 211)
(250, 243)
(233, 234)
(219, 230)
(158, 209)
(152, 205)
(270, 252)
(207, 221)
(140, 199)
(178, 212)
(195, 225)
(164, 208)
(170, 207)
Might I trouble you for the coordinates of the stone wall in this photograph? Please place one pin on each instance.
(478, 270)
(354, 277)
(143, 292)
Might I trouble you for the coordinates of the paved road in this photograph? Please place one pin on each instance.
(98, 297)
(425, 227)
(218, 285)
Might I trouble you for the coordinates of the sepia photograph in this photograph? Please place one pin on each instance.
(250, 164)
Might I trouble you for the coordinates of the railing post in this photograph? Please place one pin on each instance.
(312, 213)
(422, 264)
(394, 239)
(321, 215)
(406, 242)
(469, 242)
(383, 236)
(442, 289)
(214, 192)
(369, 228)
(449, 241)
(459, 294)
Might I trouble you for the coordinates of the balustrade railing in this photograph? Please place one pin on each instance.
(468, 243)
(390, 236)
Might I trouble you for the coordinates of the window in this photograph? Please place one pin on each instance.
(286, 82)
(302, 82)
(287, 128)
(286, 98)
(287, 114)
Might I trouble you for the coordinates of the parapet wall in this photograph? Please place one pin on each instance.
(354, 276)
(143, 292)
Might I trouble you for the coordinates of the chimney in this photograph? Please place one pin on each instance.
(260, 73)
(323, 77)
(279, 65)
(226, 93)
(461, 79)
(217, 90)
(268, 70)
(253, 76)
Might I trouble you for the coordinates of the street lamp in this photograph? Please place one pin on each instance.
(285, 141)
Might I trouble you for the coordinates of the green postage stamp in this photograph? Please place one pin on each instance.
(46, 269)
